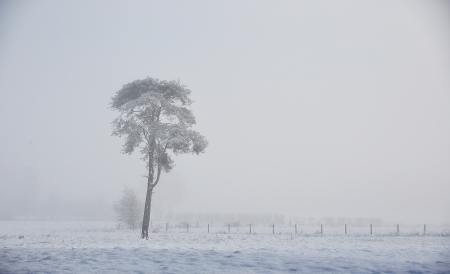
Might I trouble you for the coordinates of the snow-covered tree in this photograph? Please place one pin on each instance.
(127, 208)
(155, 117)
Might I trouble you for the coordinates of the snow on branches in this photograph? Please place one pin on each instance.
(155, 117)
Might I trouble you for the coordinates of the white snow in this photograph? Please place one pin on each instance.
(98, 247)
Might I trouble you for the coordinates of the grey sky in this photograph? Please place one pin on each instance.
(313, 107)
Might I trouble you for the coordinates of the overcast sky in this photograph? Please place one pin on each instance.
(328, 108)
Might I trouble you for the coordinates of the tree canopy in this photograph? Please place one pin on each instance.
(155, 116)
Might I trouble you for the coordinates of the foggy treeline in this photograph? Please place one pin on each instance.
(32, 204)
(264, 219)
(55, 209)
(22, 198)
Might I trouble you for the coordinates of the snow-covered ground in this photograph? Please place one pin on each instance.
(98, 247)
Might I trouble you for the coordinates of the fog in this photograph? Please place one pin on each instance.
(311, 109)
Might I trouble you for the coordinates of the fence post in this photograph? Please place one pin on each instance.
(321, 230)
(424, 229)
(187, 227)
(345, 229)
(273, 229)
(370, 229)
(295, 229)
(208, 228)
(167, 226)
(228, 228)
(398, 230)
(250, 228)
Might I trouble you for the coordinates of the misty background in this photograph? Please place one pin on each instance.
(311, 108)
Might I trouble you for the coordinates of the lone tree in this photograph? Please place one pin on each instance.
(155, 117)
(127, 208)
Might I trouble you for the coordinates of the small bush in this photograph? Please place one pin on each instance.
(127, 208)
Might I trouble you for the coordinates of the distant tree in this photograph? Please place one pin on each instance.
(155, 117)
(127, 208)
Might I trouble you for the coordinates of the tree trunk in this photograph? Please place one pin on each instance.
(148, 197)
(147, 208)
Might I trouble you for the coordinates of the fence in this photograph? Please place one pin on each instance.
(307, 230)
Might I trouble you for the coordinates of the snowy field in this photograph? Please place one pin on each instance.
(98, 247)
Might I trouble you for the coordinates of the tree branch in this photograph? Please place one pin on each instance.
(159, 168)
(145, 134)
(157, 176)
